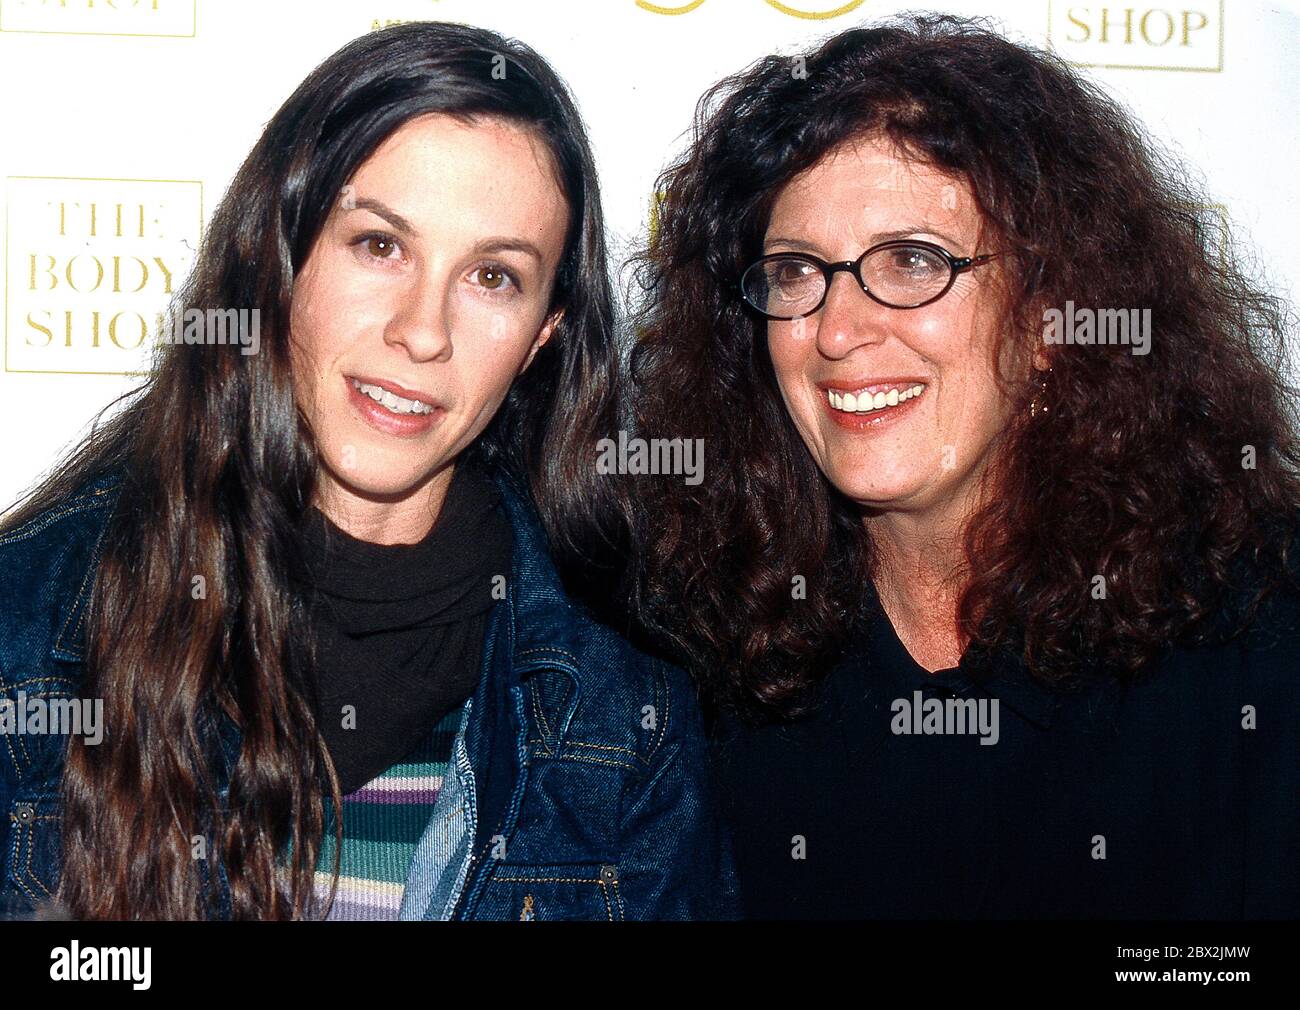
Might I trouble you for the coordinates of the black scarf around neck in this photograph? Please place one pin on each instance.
(399, 628)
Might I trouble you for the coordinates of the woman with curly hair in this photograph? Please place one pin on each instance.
(991, 598)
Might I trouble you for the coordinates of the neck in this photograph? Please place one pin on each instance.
(404, 518)
(919, 574)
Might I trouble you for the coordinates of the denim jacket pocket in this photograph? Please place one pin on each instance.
(562, 891)
(35, 826)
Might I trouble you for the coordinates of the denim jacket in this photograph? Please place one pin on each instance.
(580, 786)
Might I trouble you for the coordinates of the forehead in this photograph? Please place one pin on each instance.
(869, 185)
(483, 176)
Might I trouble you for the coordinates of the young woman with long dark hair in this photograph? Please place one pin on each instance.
(330, 577)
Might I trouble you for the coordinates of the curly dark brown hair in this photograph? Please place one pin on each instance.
(1136, 471)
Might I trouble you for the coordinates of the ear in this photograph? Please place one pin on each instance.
(543, 335)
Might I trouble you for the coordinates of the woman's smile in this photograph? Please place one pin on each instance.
(383, 407)
(870, 405)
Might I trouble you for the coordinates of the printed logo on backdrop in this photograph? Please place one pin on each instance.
(163, 18)
(90, 267)
(1142, 36)
(811, 9)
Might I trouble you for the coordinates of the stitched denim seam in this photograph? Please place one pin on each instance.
(549, 880)
(604, 891)
(605, 746)
(81, 617)
(41, 680)
(22, 749)
(590, 760)
(674, 752)
(31, 844)
(662, 684)
(13, 861)
(22, 745)
(39, 524)
(17, 877)
(548, 649)
(601, 746)
(13, 757)
(541, 719)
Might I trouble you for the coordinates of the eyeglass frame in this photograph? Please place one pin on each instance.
(956, 265)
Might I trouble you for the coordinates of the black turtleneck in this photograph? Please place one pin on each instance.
(399, 628)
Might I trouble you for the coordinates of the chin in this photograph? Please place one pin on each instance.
(372, 482)
(872, 498)
(874, 493)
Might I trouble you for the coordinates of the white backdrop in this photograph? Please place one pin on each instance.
(125, 119)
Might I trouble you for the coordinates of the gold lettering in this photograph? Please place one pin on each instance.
(117, 274)
(112, 330)
(119, 233)
(54, 278)
(1188, 29)
(1128, 26)
(167, 274)
(67, 328)
(1087, 32)
(49, 334)
(99, 273)
(1169, 18)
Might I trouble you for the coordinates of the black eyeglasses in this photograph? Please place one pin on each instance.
(902, 274)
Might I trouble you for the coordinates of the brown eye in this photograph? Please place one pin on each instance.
(492, 278)
(380, 247)
(914, 261)
(792, 273)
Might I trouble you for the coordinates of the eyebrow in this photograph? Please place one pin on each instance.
(501, 243)
(884, 236)
(387, 213)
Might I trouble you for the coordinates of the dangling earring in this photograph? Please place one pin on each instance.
(1035, 406)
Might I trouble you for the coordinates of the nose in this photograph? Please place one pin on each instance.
(849, 318)
(421, 322)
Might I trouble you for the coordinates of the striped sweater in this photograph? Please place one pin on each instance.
(382, 823)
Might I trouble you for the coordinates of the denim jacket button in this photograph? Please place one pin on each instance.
(24, 813)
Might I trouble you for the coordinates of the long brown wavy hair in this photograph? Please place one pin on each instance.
(1137, 468)
(218, 468)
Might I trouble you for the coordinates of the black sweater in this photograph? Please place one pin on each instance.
(1188, 781)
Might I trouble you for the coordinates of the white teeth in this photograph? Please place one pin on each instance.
(395, 403)
(865, 403)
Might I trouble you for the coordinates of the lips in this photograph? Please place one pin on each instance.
(404, 392)
(867, 404)
(416, 412)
